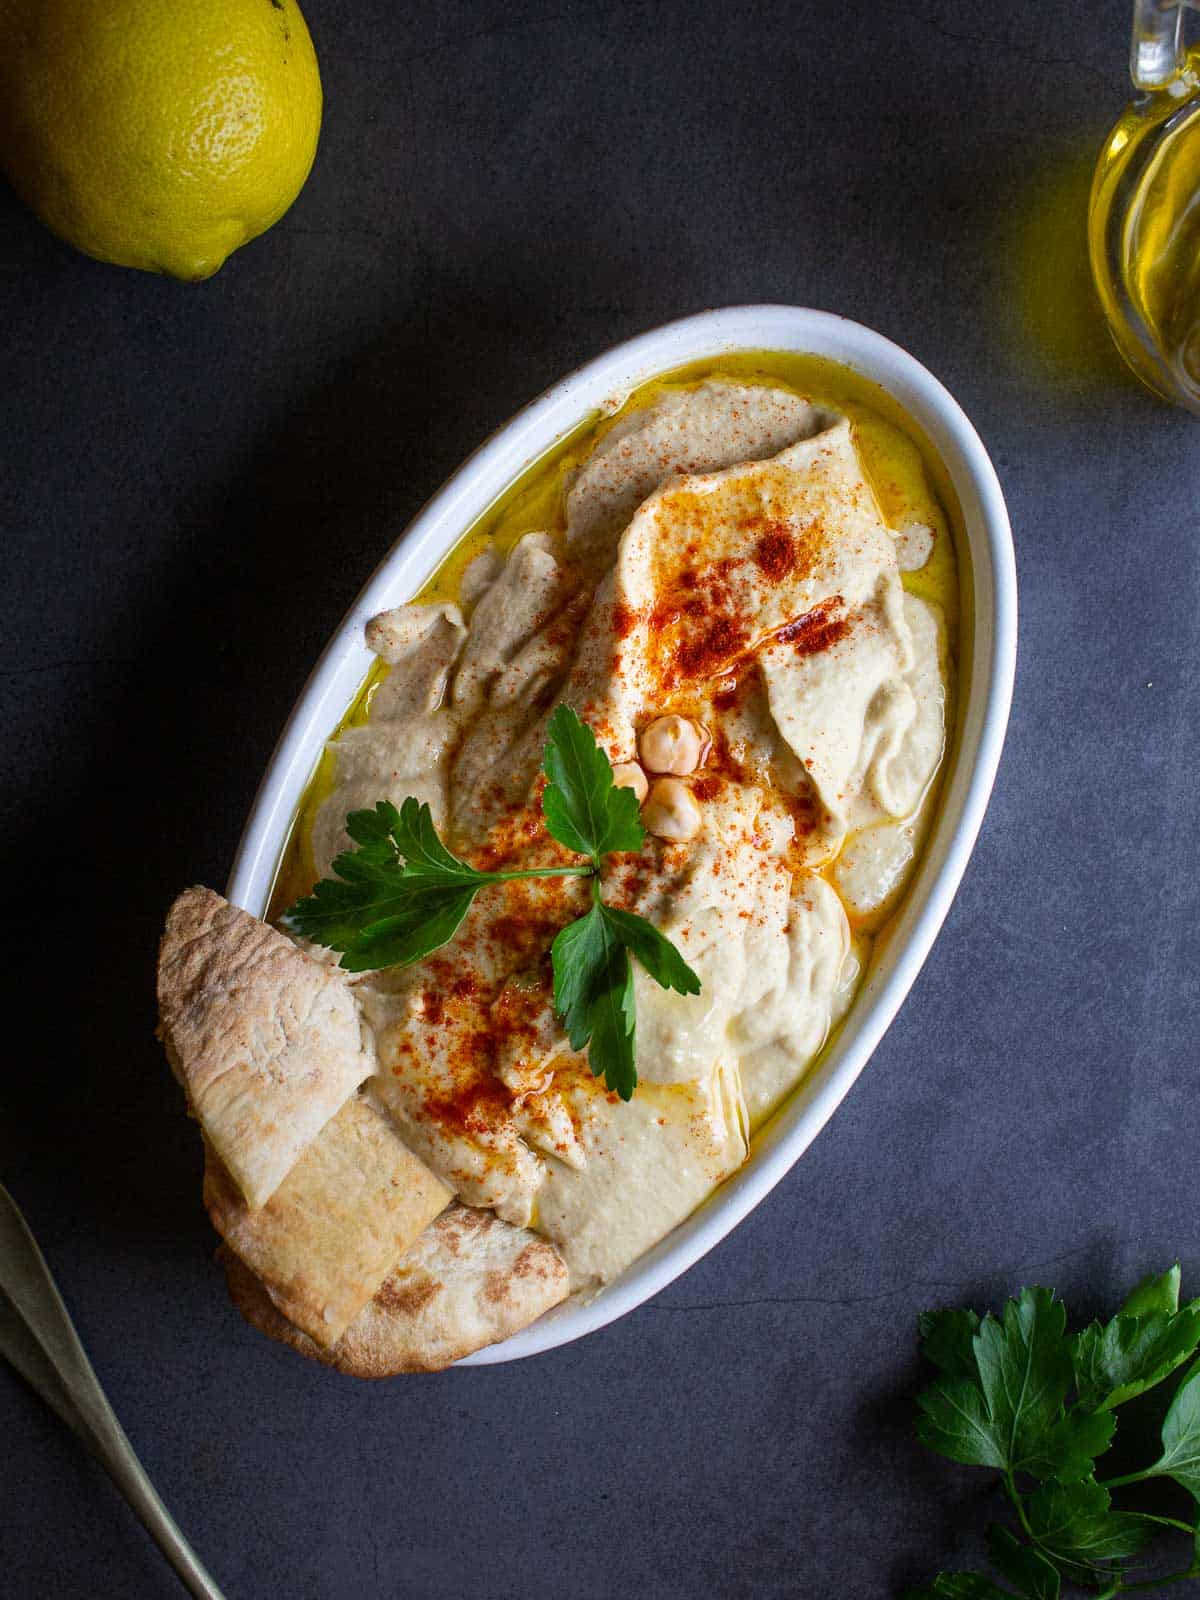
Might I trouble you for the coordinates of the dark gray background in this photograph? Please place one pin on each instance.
(196, 480)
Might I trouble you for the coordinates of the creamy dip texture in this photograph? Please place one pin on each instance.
(717, 551)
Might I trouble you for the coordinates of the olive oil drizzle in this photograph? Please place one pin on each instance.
(907, 477)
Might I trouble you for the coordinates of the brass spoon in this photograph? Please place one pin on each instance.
(38, 1337)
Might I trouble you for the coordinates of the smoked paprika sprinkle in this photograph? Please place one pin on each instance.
(402, 895)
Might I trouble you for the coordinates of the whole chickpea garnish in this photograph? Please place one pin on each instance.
(672, 744)
(671, 812)
(628, 775)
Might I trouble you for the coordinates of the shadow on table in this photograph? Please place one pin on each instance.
(1048, 310)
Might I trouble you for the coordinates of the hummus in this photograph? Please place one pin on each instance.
(724, 558)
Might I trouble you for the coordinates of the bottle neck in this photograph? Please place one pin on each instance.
(1159, 60)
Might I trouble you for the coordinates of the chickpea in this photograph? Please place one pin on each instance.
(670, 811)
(628, 775)
(672, 744)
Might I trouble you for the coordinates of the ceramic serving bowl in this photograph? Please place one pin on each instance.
(985, 670)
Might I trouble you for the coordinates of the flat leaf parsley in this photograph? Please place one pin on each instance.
(1024, 1397)
(402, 894)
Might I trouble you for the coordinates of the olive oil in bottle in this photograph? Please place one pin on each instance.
(1144, 229)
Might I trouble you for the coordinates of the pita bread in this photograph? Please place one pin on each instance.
(469, 1281)
(336, 1225)
(267, 1043)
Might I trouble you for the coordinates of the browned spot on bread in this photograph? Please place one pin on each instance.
(496, 1288)
(469, 1280)
(405, 1297)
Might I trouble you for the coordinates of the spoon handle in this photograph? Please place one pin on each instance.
(39, 1339)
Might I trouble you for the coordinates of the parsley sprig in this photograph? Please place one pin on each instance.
(1024, 1397)
(402, 895)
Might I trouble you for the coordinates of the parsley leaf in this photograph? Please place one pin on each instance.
(957, 1424)
(947, 1339)
(961, 1586)
(611, 1053)
(593, 986)
(1074, 1525)
(1181, 1436)
(1024, 1369)
(593, 993)
(1125, 1357)
(402, 894)
(654, 950)
(1154, 1294)
(1068, 1450)
(1035, 1578)
(583, 808)
(579, 954)
(1033, 1575)
(1021, 1396)
(1001, 1404)
(416, 839)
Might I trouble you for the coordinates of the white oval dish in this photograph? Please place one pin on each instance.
(988, 577)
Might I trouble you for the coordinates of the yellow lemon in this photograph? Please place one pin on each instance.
(159, 134)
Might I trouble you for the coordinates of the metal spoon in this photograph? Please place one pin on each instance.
(39, 1338)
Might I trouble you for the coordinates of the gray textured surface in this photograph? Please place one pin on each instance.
(197, 479)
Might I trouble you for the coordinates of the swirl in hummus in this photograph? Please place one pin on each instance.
(724, 558)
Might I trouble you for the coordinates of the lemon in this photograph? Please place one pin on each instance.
(160, 134)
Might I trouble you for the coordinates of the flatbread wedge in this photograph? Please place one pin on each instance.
(267, 1043)
(469, 1281)
(337, 1224)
